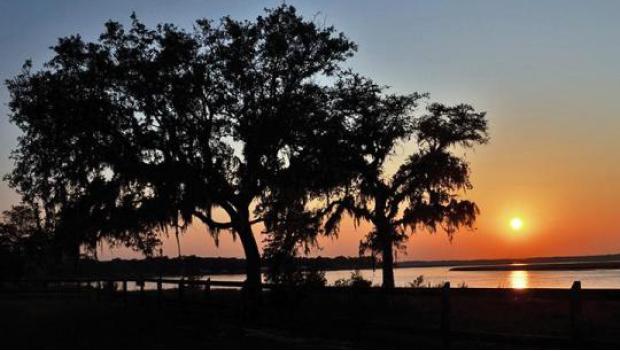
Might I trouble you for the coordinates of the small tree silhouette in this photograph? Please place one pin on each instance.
(425, 189)
(23, 242)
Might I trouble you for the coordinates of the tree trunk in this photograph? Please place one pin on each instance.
(387, 265)
(252, 288)
(252, 257)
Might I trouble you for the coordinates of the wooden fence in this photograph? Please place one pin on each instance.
(575, 294)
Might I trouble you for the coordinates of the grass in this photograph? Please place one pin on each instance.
(329, 318)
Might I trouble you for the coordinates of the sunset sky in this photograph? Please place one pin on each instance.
(546, 72)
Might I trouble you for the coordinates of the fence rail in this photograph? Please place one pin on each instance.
(138, 282)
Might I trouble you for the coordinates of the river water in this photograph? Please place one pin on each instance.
(520, 279)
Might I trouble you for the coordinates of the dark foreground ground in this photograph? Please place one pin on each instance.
(480, 318)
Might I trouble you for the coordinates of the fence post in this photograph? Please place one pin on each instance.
(208, 287)
(159, 290)
(125, 291)
(181, 289)
(88, 287)
(445, 314)
(141, 284)
(99, 289)
(575, 311)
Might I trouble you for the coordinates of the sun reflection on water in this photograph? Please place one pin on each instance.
(518, 279)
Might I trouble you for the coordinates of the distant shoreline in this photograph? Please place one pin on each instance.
(485, 263)
(560, 266)
(193, 265)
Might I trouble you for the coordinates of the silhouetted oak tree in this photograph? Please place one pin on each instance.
(146, 129)
(425, 190)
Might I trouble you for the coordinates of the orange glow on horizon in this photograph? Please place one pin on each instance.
(568, 206)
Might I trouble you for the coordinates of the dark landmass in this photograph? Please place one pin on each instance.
(300, 319)
(560, 266)
(193, 265)
(508, 261)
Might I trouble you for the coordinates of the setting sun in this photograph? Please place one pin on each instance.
(516, 223)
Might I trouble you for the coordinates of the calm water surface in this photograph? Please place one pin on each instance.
(590, 279)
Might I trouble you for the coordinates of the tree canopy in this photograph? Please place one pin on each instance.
(425, 191)
(149, 128)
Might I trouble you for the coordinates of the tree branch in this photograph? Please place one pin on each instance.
(256, 220)
(206, 219)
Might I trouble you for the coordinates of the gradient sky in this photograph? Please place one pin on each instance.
(547, 73)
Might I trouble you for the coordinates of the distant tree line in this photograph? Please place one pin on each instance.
(193, 266)
(237, 124)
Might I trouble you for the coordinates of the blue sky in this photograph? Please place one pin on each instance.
(546, 72)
